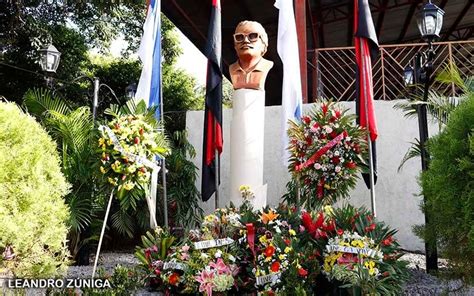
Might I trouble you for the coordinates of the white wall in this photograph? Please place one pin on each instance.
(396, 193)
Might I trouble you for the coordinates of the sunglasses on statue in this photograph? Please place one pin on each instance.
(240, 37)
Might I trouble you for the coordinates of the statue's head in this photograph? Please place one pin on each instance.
(250, 39)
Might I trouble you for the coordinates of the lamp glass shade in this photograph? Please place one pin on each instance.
(50, 57)
(131, 90)
(430, 21)
(408, 75)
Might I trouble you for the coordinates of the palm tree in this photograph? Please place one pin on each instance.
(74, 132)
(438, 105)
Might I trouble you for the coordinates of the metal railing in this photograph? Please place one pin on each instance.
(333, 69)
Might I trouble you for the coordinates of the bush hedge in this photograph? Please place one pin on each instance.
(33, 214)
(448, 186)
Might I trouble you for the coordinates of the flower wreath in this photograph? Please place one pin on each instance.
(326, 153)
(128, 145)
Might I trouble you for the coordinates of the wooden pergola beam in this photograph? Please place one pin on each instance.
(382, 9)
(408, 19)
(458, 20)
(314, 35)
(350, 22)
(300, 15)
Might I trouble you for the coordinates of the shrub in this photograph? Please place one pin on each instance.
(32, 212)
(448, 189)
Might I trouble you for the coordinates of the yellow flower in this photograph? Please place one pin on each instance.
(128, 185)
(244, 188)
(328, 210)
(326, 186)
(287, 250)
(357, 243)
(101, 142)
(112, 181)
(102, 170)
(282, 256)
(292, 232)
(263, 239)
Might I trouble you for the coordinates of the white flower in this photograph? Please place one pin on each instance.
(317, 166)
(337, 169)
(204, 256)
(218, 254)
(336, 153)
(231, 258)
(328, 129)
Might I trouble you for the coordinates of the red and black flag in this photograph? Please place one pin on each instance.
(366, 51)
(213, 109)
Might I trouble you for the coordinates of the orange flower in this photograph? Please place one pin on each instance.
(269, 251)
(275, 266)
(270, 216)
(174, 278)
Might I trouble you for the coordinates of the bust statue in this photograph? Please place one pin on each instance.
(251, 69)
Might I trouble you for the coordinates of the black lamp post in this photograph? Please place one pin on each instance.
(430, 20)
(49, 61)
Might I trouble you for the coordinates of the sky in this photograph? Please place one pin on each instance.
(191, 60)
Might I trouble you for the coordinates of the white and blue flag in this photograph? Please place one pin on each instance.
(149, 86)
(287, 47)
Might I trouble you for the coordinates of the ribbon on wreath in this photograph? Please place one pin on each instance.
(251, 237)
(321, 151)
(140, 160)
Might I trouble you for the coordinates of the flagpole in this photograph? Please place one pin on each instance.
(369, 140)
(217, 162)
(163, 169)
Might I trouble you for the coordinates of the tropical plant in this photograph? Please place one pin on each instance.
(181, 179)
(153, 253)
(448, 188)
(32, 211)
(73, 131)
(438, 105)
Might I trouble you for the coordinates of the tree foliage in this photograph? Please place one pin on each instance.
(448, 186)
(32, 212)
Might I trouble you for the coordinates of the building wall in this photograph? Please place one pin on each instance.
(396, 193)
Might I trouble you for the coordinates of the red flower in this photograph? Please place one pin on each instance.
(136, 140)
(351, 165)
(306, 119)
(324, 107)
(356, 148)
(333, 134)
(331, 226)
(275, 266)
(337, 114)
(269, 251)
(340, 232)
(309, 141)
(302, 272)
(311, 226)
(287, 241)
(173, 279)
(316, 125)
(388, 241)
(336, 160)
(370, 228)
(141, 131)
